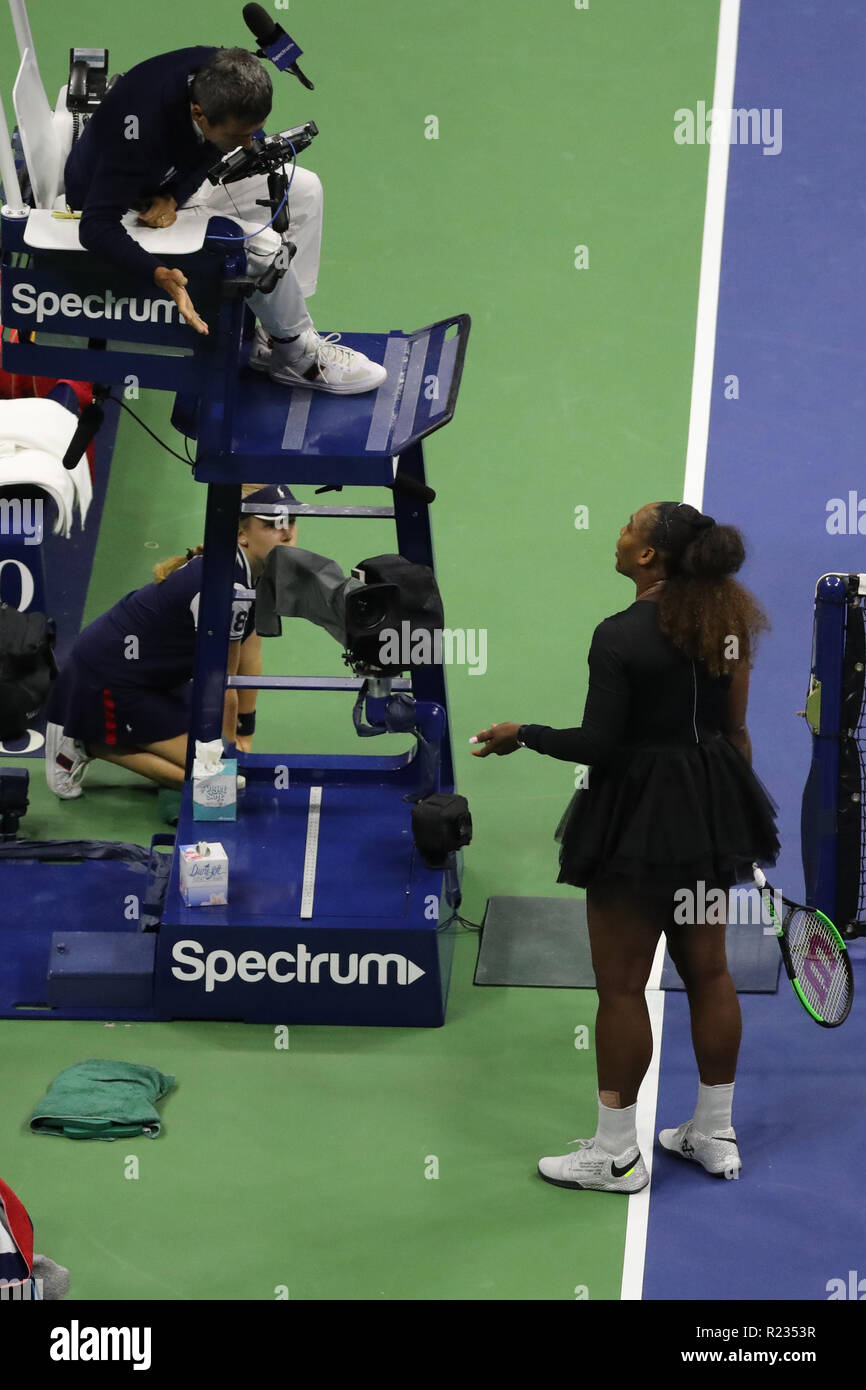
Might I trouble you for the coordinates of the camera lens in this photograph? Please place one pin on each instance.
(368, 612)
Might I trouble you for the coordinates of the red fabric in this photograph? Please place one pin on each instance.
(110, 712)
(83, 389)
(12, 387)
(19, 1224)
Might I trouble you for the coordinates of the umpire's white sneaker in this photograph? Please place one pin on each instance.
(717, 1153)
(66, 762)
(323, 364)
(262, 350)
(592, 1169)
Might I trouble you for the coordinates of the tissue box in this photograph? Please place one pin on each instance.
(215, 790)
(204, 875)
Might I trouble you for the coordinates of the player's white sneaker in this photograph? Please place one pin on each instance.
(592, 1169)
(717, 1153)
(66, 762)
(323, 364)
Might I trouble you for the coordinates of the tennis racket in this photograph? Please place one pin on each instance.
(815, 956)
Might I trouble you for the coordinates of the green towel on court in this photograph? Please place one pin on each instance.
(102, 1100)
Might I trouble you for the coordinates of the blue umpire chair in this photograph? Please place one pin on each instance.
(331, 917)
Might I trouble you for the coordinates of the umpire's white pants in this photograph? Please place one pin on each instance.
(283, 312)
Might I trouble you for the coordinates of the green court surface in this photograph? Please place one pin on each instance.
(398, 1163)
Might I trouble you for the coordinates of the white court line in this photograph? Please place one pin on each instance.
(634, 1255)
(711, 254)
(638, 1204)
(311, 851)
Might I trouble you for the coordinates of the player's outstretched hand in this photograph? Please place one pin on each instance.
(499, 739)
(174, 282)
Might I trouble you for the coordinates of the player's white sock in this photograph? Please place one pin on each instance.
(713, 1110)
(617, 1129)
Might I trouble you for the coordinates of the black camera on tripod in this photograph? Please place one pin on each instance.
(269, 156)
(393, 619)
(265, 157)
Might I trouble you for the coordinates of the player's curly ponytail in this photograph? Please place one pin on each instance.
(702, 608)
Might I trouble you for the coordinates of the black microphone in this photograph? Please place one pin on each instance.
(92, 417)
(404, 482)
(274, 43)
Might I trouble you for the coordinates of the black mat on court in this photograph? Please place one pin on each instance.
(543, 942)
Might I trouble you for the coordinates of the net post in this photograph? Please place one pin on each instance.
(821, 794)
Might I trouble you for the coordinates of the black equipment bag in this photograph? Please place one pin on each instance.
(27, 668)
(440, 825)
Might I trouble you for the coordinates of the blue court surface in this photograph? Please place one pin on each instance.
(790, 328)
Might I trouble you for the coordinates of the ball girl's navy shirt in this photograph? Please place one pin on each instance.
(148, 638)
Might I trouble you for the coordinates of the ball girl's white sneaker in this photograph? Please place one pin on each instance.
(66, 762)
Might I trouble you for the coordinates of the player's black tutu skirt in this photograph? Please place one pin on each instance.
(658, 818)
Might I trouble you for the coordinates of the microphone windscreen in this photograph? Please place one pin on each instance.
(260, 24)
(91, 418)
(404, 483)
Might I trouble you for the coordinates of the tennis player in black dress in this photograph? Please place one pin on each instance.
(670, 801)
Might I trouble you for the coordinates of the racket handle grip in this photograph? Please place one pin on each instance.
(759, 876)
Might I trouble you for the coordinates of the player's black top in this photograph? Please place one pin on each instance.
(669, 800)
(643, 690)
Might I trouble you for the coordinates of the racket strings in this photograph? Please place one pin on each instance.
(820, 965)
